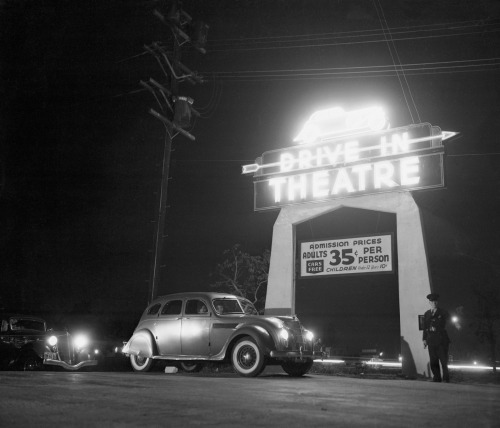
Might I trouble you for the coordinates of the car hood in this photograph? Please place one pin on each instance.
(278, 321)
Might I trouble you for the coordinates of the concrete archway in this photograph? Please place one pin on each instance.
(414, 280)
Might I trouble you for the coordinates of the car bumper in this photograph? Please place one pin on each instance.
(67, 366)
(300, 355)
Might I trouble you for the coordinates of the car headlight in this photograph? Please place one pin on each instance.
(52, 340)
(309, 335)
(81, 341)
(284, 334)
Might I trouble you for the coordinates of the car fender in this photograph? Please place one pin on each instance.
(37, 347)
(40, 348)
(262, 336)
(141, 343)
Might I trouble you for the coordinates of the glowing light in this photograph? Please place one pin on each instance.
(336, 121)
(383, 363)
(395, 364)
(309, 335)
(324, 183)
(448, 134)
(454, 319)
(284, 334)
(475, 366)
(330, 361)
(343, 152)
(81, 341)
(52, 340)
(247, 169)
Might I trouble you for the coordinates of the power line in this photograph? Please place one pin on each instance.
(362, 33)
(380, 40)
(362, 72)
(392, 47)
(416, 64)
(353, 34)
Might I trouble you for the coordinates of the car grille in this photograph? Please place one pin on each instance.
(65, 348)
(296, 340)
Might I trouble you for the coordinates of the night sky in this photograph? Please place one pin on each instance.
(80, 156)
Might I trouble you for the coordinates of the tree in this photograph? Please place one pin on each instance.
(244, 275)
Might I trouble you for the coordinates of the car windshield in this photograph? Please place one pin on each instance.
(227, 306)
(26, 324)
(248, 307)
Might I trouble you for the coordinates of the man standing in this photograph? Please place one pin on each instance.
(436, 338)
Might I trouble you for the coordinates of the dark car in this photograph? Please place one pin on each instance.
(190, 329)
(26, 344)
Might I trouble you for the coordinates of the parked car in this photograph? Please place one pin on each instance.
(189, 329)
(27, 344)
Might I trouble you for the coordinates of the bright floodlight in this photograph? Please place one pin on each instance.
(336, 121)
(81, 341)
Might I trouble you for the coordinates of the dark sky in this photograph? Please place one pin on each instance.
(81, 157)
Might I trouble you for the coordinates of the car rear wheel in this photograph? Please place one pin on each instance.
(190, 366)
(297, 369)
(141, 364)
(247, 358)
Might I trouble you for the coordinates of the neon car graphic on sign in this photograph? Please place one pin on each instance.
(336, 121)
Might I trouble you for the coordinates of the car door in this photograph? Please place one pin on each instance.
(167, 328)
(195, 336)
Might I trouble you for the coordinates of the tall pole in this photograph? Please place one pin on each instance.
(176, 20)
(159, 236)
(161, 218)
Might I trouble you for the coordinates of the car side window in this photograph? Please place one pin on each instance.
(172, 307)
(153, 310)
(196, 307)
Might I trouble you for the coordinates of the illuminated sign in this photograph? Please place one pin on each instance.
(415, 172)
(337, 166)
(336, 121)
(359, 255)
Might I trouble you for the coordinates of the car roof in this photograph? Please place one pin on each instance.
(192, 294)
(5, 316)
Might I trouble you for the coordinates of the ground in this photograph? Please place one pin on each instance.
(215, 398)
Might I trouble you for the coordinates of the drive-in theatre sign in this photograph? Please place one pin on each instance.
(352, 160)
(366, 161)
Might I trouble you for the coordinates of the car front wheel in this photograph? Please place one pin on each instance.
(141, 364)
(247, 358)
(297, 369)
(32, 363)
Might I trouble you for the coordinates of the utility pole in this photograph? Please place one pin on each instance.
(174, 110)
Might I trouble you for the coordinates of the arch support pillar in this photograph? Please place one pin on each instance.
(414, 279)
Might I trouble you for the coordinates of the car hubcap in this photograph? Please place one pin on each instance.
(247, 357)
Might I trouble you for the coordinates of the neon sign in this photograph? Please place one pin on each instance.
(336, 121)
(334, 166)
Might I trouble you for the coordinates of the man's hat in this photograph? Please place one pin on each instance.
(433, 297)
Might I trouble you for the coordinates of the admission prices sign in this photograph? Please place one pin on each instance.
(360, 255)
